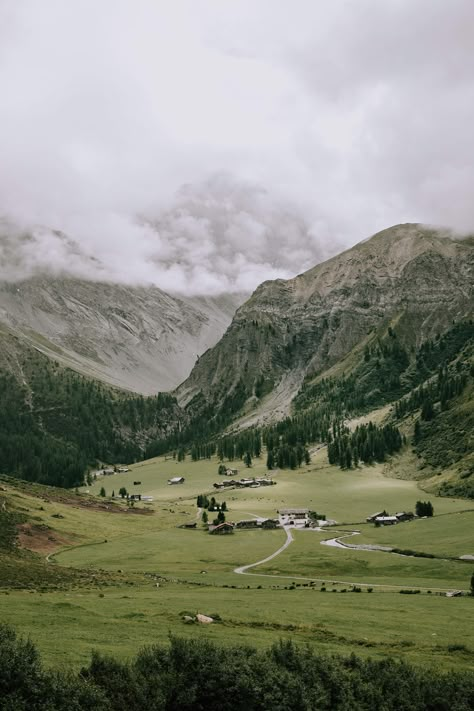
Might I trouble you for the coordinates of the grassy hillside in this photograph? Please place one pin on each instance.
(106, 559)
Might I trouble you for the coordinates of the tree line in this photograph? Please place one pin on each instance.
(57, 423)
(367, 443)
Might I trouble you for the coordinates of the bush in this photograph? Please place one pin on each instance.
(194, 674)
(410, 592)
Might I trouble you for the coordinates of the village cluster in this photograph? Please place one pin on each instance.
(382, 518)
(298, 518)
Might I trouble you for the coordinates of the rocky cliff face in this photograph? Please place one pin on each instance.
(419, 278)
(140, 339)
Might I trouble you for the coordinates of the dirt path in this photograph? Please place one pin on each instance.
(336, 543)
(243, 568)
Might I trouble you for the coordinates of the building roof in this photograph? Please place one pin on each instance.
(289, 512)
(220, 526)
(386, 518)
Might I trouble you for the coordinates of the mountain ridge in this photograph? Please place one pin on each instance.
(136, 338)
(421, 277)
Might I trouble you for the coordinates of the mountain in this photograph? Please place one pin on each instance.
(412, 277)
(137, 338)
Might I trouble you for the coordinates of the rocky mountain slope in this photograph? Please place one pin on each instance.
(140, 339)
(410, 276)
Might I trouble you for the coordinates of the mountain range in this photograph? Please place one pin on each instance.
(359, 321)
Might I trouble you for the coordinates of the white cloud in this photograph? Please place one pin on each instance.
(345, 117)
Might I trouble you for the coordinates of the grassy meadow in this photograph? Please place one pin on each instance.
(346, 496)
(450, 535)
(426, 629)
(195, 570)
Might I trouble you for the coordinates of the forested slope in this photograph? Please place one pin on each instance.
(54, 423)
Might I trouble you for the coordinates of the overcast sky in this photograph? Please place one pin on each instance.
(206, 145)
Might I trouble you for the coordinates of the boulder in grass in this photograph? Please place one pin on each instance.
(204, 619)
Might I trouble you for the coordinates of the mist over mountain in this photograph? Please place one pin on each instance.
(206, 149)
(222, 236)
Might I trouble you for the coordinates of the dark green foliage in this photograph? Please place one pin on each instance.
(198, 675)
(409, 592)
(240, 445)
(26, 686)
(424, 508)
(443, 369)
(375, 381)
(202, 451)
(56, 423)
(458, 488)
(427, 410)
(368, 444)
(9, 521)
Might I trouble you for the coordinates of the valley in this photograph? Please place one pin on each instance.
(299, 594)
(343, 395)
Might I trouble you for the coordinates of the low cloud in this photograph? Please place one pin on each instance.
(205, 146)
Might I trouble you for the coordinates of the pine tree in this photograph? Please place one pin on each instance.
(427, 410)
(417, 432)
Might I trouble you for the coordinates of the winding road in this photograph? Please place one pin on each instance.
(335, 542)
(243, 568)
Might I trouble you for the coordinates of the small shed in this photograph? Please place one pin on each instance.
(405, 516)
(372, 517)
(176, 480)
(386, 520)
(271, 523)
(248, 523)
(295, 513)
(222, 528)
